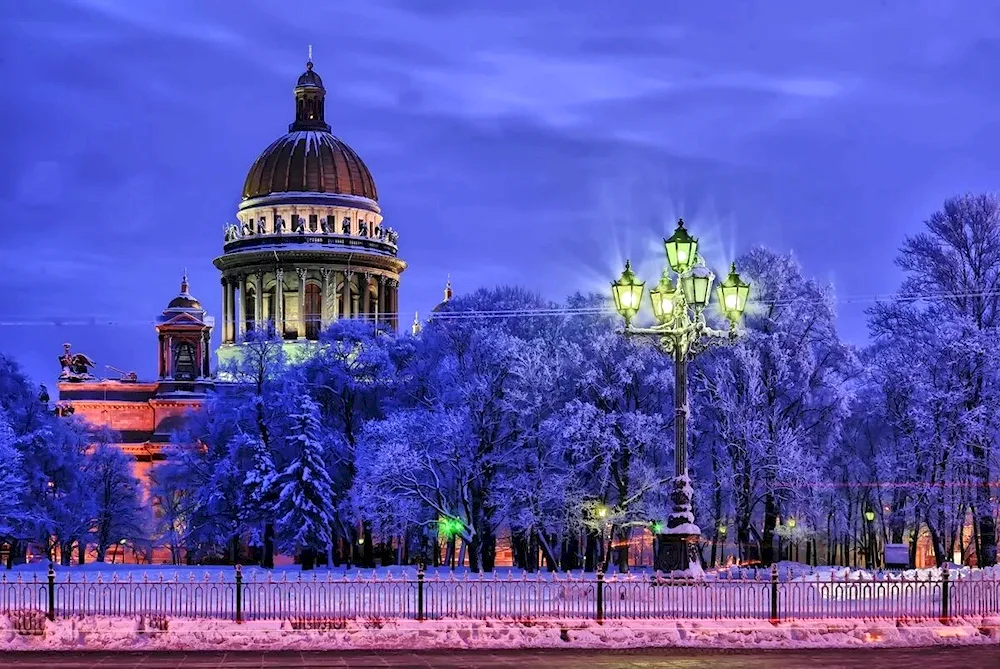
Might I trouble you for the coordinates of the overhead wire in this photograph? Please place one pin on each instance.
(77, 321)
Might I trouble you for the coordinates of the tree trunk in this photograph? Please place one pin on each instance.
(268, 560)
(368, 557)
(570, 552)
(590, 551)
(308, 559)
(623, 546)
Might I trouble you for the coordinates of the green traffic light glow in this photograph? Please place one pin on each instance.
(449, 527)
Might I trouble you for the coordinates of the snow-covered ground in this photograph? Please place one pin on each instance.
(125, 634)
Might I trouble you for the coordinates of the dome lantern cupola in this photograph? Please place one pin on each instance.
(310, 102)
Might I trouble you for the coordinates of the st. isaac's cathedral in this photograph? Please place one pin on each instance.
(310, 247)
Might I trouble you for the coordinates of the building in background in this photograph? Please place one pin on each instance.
(145, 414)
(310, 245)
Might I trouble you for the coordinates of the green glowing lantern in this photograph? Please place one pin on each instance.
(664, 298)
(733, 294)
(627, 291)
(681, 249)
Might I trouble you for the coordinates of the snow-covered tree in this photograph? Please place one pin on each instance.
(12, 484)
(304, 510)
(119, 511)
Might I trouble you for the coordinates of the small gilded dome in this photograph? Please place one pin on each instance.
(309, 78)
(184, 300)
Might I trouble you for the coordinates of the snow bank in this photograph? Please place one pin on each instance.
(97, 633)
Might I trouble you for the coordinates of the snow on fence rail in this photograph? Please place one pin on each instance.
(755, 595)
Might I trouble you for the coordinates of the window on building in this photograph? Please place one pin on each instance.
(314, 311)
(313, 222)
(249, 308)
(185, 368)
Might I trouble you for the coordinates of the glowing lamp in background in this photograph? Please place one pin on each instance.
(681, 249)
(697, 284)
(627, 291)
(664, 298)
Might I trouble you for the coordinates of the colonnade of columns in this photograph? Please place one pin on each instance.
(342, 294)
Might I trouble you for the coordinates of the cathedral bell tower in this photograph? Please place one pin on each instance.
(185, 332)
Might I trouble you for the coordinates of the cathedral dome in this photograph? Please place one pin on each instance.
(309, 159)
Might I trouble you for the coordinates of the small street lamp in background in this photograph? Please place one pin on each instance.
(870, 536)
(679, 306)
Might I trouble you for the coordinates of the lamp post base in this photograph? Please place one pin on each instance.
(676, 552)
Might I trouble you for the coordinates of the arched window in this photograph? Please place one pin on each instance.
(184, 362)
(249, 307)
(314, 311)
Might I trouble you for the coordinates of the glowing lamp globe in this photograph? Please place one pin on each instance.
(697, 284)
(681, 249)
(722, 529)
(869, 515)
(733, 294)
(627, 291)
(664, 299)
(791, 523)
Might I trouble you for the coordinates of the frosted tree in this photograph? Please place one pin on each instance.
(12, 483)
(304, 510)
(954, 266)
(119, 511)
(777, 398)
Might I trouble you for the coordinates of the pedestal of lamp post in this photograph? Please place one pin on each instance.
(677, 548)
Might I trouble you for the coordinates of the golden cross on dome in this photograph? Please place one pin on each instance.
(310, 53)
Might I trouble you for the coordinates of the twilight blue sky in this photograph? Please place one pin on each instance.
(512, 141)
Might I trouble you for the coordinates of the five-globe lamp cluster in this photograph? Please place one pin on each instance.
(692, 288)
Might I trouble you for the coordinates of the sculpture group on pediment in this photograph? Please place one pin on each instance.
(75, 366)
(233, 232)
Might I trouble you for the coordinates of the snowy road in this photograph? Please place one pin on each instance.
(938, 658)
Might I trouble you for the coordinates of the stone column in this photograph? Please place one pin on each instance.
(393, 296)
(206, 354)
(232, 308)
(335, 304)
(279, 302)
(349, 300)
(366, 285)
(301, 327)
(162, 362)
(258, 301)
(381, 305)
(324, 318)
(241, 307)
(225, 318)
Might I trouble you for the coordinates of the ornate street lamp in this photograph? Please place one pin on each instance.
(682, 331)
(627, 291)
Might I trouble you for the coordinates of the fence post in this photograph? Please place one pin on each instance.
(239, 594)
(600, 594)
(774, 594)
(52, 592)
(945, 587)
(420, 591)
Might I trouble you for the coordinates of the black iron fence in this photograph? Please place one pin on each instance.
(753, 595)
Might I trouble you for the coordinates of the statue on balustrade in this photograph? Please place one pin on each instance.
(75, 366)
(346, 226)
(279, 225)
(362, 228)
(298, 224)
(248, 228)
(261, 225)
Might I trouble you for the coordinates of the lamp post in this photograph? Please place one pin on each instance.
(870, 539)
(682, 332)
